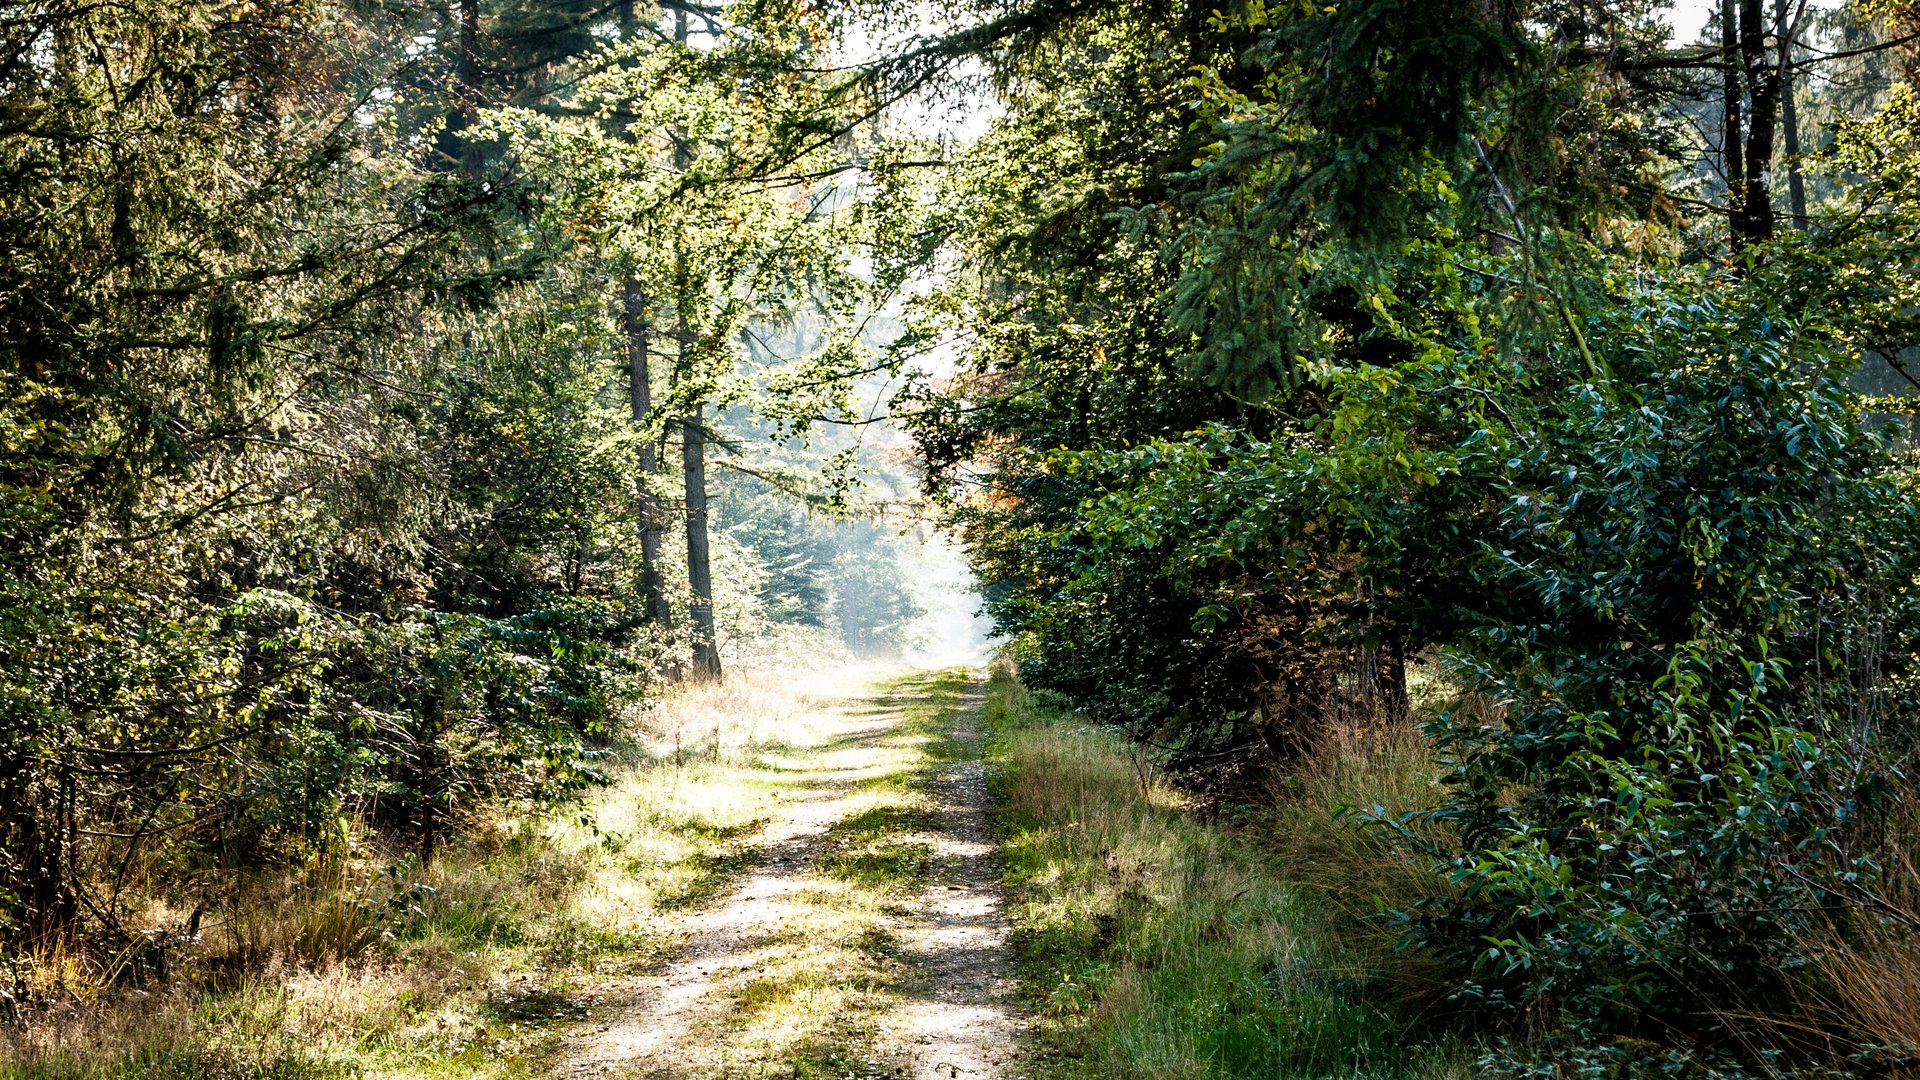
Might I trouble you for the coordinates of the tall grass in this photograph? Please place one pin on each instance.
(370, 967)
(1858, 972)
(1160, 946)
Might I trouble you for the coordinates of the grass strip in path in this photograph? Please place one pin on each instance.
(867, 941)
(778, 886)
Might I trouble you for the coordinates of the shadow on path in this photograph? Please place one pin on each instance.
(867, 937)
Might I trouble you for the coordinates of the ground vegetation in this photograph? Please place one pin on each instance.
(1345, 345)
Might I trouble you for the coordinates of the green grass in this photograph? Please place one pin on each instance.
(882, 847)
(1156, 946)
(1153, 945)
(492, 969)
(876, 848)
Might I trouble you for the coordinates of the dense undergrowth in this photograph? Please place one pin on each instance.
(1341, 343)
(1262, 357)
(1161, 940)
(339, 416)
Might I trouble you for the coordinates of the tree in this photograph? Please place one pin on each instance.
(1337, 337)
(710, 174)
(266, 571)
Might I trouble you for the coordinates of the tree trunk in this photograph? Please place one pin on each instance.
(653, 520)
(432, 782)
(1393, 680)
(1790, 129)
(39, 903)
(1789, 29)
(693, 448)
(693, 456)
(1756, 219)
(633, 313)
(467, 75)
(1732, 163)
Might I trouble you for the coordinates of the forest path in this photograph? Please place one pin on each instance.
(867, 937)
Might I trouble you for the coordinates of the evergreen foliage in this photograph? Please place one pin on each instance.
(1337, 339)
(318, 473)
(1301, 354)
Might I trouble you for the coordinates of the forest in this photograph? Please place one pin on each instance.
(1440, 475)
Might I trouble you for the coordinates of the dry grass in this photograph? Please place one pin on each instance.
(1860, 986)
(749, 710)
(371, 968)
(1871, 982)
(1352, 873)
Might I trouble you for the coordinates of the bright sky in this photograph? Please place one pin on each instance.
(1689, 18)
(946, 115)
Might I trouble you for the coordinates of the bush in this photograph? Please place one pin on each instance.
(1683, 586)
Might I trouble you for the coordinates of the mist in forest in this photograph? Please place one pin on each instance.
(872, 575)
(952, 629)
(871, 586)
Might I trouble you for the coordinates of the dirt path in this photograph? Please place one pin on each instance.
(867, 939)
(960, 1021)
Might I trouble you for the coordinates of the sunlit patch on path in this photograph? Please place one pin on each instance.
(865, 940)
(959, 1019)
